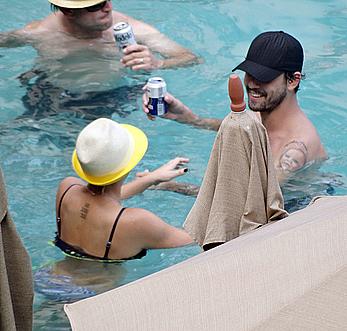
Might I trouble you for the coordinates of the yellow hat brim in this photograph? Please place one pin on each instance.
(140, 148)
(75, 4)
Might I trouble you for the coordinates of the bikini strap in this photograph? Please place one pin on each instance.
(59, 207)
(109, 242)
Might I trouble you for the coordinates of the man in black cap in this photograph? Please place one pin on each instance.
(273, 70)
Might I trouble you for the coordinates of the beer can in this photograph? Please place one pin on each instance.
(156, 90)
(123, 34)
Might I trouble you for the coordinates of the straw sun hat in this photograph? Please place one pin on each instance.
(106, 151)
(73, 4)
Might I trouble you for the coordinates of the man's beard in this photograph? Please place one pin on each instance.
(270, 103)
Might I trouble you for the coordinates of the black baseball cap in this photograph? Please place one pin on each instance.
(271, 54)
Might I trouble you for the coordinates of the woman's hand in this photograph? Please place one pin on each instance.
(145, 179)
(166, 172)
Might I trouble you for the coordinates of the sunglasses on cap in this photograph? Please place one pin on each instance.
(97, 7)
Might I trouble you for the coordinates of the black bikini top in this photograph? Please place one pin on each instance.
(74, 252)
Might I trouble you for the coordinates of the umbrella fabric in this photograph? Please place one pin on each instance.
(16, 288)
(240, 190)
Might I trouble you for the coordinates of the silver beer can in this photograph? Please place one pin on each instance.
(156, 90)
(123, 34)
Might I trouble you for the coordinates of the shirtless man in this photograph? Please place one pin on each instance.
(77, 52)
(273, 68)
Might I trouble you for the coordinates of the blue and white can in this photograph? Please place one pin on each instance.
(123, 34)
(156, 90)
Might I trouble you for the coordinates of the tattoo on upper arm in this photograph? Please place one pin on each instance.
(294, 156)
(84, 211)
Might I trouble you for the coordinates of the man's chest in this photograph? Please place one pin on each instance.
(60, 46)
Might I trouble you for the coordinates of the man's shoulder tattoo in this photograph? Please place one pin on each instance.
(294, 156)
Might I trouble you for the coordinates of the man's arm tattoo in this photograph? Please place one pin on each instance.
(294, 156)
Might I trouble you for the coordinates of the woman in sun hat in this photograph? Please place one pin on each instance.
(91, 221)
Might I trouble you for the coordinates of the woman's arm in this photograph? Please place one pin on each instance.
(144, 180)
(152, 232)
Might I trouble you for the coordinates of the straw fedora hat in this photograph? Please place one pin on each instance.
(106, 151)
(74, 4)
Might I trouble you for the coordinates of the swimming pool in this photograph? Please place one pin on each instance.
(35, 153)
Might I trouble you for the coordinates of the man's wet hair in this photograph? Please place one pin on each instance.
(290, 76)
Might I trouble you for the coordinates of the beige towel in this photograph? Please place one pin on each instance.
(16, 289)
(240, 191)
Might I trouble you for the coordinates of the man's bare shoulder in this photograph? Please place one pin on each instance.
(137, 25)
(21, 36)
(310, 136)
(297, 146)
(119, 17)
(33, 26)
(49, 23)
(37, 28)
(301, 150)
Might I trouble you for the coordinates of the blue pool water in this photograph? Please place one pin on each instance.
(35, 150)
